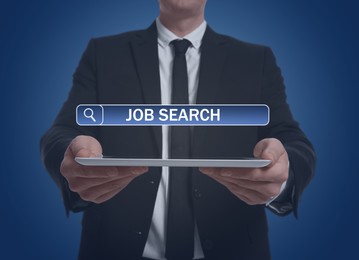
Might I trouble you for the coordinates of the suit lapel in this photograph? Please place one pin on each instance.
(145, 52)
(213, 54)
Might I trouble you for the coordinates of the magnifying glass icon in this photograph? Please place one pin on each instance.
(89, 114)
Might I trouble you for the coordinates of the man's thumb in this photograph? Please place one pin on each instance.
(86, 146)
(265, 150)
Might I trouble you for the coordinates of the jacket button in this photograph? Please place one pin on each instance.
(208, 244)
(197, 193)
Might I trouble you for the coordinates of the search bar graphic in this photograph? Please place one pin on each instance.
(173, 115)
(89, 115)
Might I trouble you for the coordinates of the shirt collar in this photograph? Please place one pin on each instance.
(165, 36)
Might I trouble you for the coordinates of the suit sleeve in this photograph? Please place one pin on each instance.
(55, 141)
(283, 127)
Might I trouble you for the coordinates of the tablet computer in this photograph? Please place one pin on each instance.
(110, 161)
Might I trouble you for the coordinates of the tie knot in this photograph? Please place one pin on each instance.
(181, 46)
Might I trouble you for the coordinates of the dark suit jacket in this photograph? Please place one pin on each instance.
(125, 69)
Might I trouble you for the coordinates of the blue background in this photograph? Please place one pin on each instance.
(316, 45)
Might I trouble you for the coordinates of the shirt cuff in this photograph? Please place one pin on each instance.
(282, 204)
(284, 184)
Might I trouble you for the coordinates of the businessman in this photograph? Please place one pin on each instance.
(178, 213)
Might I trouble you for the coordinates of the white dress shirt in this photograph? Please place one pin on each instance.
(156, 241)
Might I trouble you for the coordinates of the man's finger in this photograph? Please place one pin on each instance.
(112, 193)
(109, 171)
(106, 197)
(269, 189)
(95, 192)
(249, 196)
(79, 184)
(252, 174)
(210, 170)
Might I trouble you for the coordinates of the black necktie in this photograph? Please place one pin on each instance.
(180, 219)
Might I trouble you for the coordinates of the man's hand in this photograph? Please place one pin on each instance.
(256, 185)
(92, 183)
